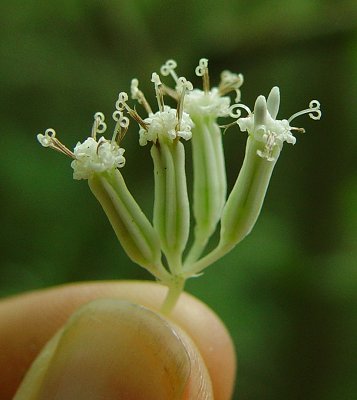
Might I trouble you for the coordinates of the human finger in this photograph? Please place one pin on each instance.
(28, 321)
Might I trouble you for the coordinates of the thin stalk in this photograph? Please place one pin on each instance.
(210, 258)
(196, 250)
(175, 288)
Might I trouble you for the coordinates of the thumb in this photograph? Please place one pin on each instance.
(112, 349)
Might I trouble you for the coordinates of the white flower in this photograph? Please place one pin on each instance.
(164, 124)
(93, 156)
(265, 128)
(211, 102)
(198, 102)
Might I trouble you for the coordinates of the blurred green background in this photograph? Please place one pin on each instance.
(288, 292)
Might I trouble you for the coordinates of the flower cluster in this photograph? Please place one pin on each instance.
(265, 128)
(165, 122)
(92, 156)
(159, 245)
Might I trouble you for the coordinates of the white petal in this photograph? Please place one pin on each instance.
(260, 111)
(273, 102)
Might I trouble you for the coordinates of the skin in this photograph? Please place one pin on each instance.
(201, 344)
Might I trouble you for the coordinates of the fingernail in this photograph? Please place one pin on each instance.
(111, 349)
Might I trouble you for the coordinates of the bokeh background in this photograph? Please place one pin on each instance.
(288, 292)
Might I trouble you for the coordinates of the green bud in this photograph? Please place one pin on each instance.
(246, 199)
(171, 205)
(135, 233)
(209, 181)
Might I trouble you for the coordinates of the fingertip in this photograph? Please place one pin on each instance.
(113, 349)
(29, 321)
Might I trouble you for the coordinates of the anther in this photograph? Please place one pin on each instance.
(49, 140)
(46, 140)
(301, 130)
(100, 143)
(269, 147)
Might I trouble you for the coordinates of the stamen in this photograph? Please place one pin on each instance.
(182, 86)
(230, 82)
(121, 126)
(301, 130)
(202, 70)
(169, 69)
(100, 143)
(121, 104)
(99, 126)
(159, 92)
(313, 111)
(49, 140)
(138, 119)
(268, 148)
(238, 113)
(137, 94)
(170, 92)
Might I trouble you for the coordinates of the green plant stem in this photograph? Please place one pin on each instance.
(196, 250)
(190, 270)
(175, 288)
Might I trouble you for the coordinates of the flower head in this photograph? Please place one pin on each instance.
(208, 101)
(92, 156)
(160, 246)
(163, 124)
(263, 126)
(212, 103)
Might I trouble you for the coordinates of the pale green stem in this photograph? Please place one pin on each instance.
(175, 288)
(210, 258)
(174, 262)
(197, 248)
